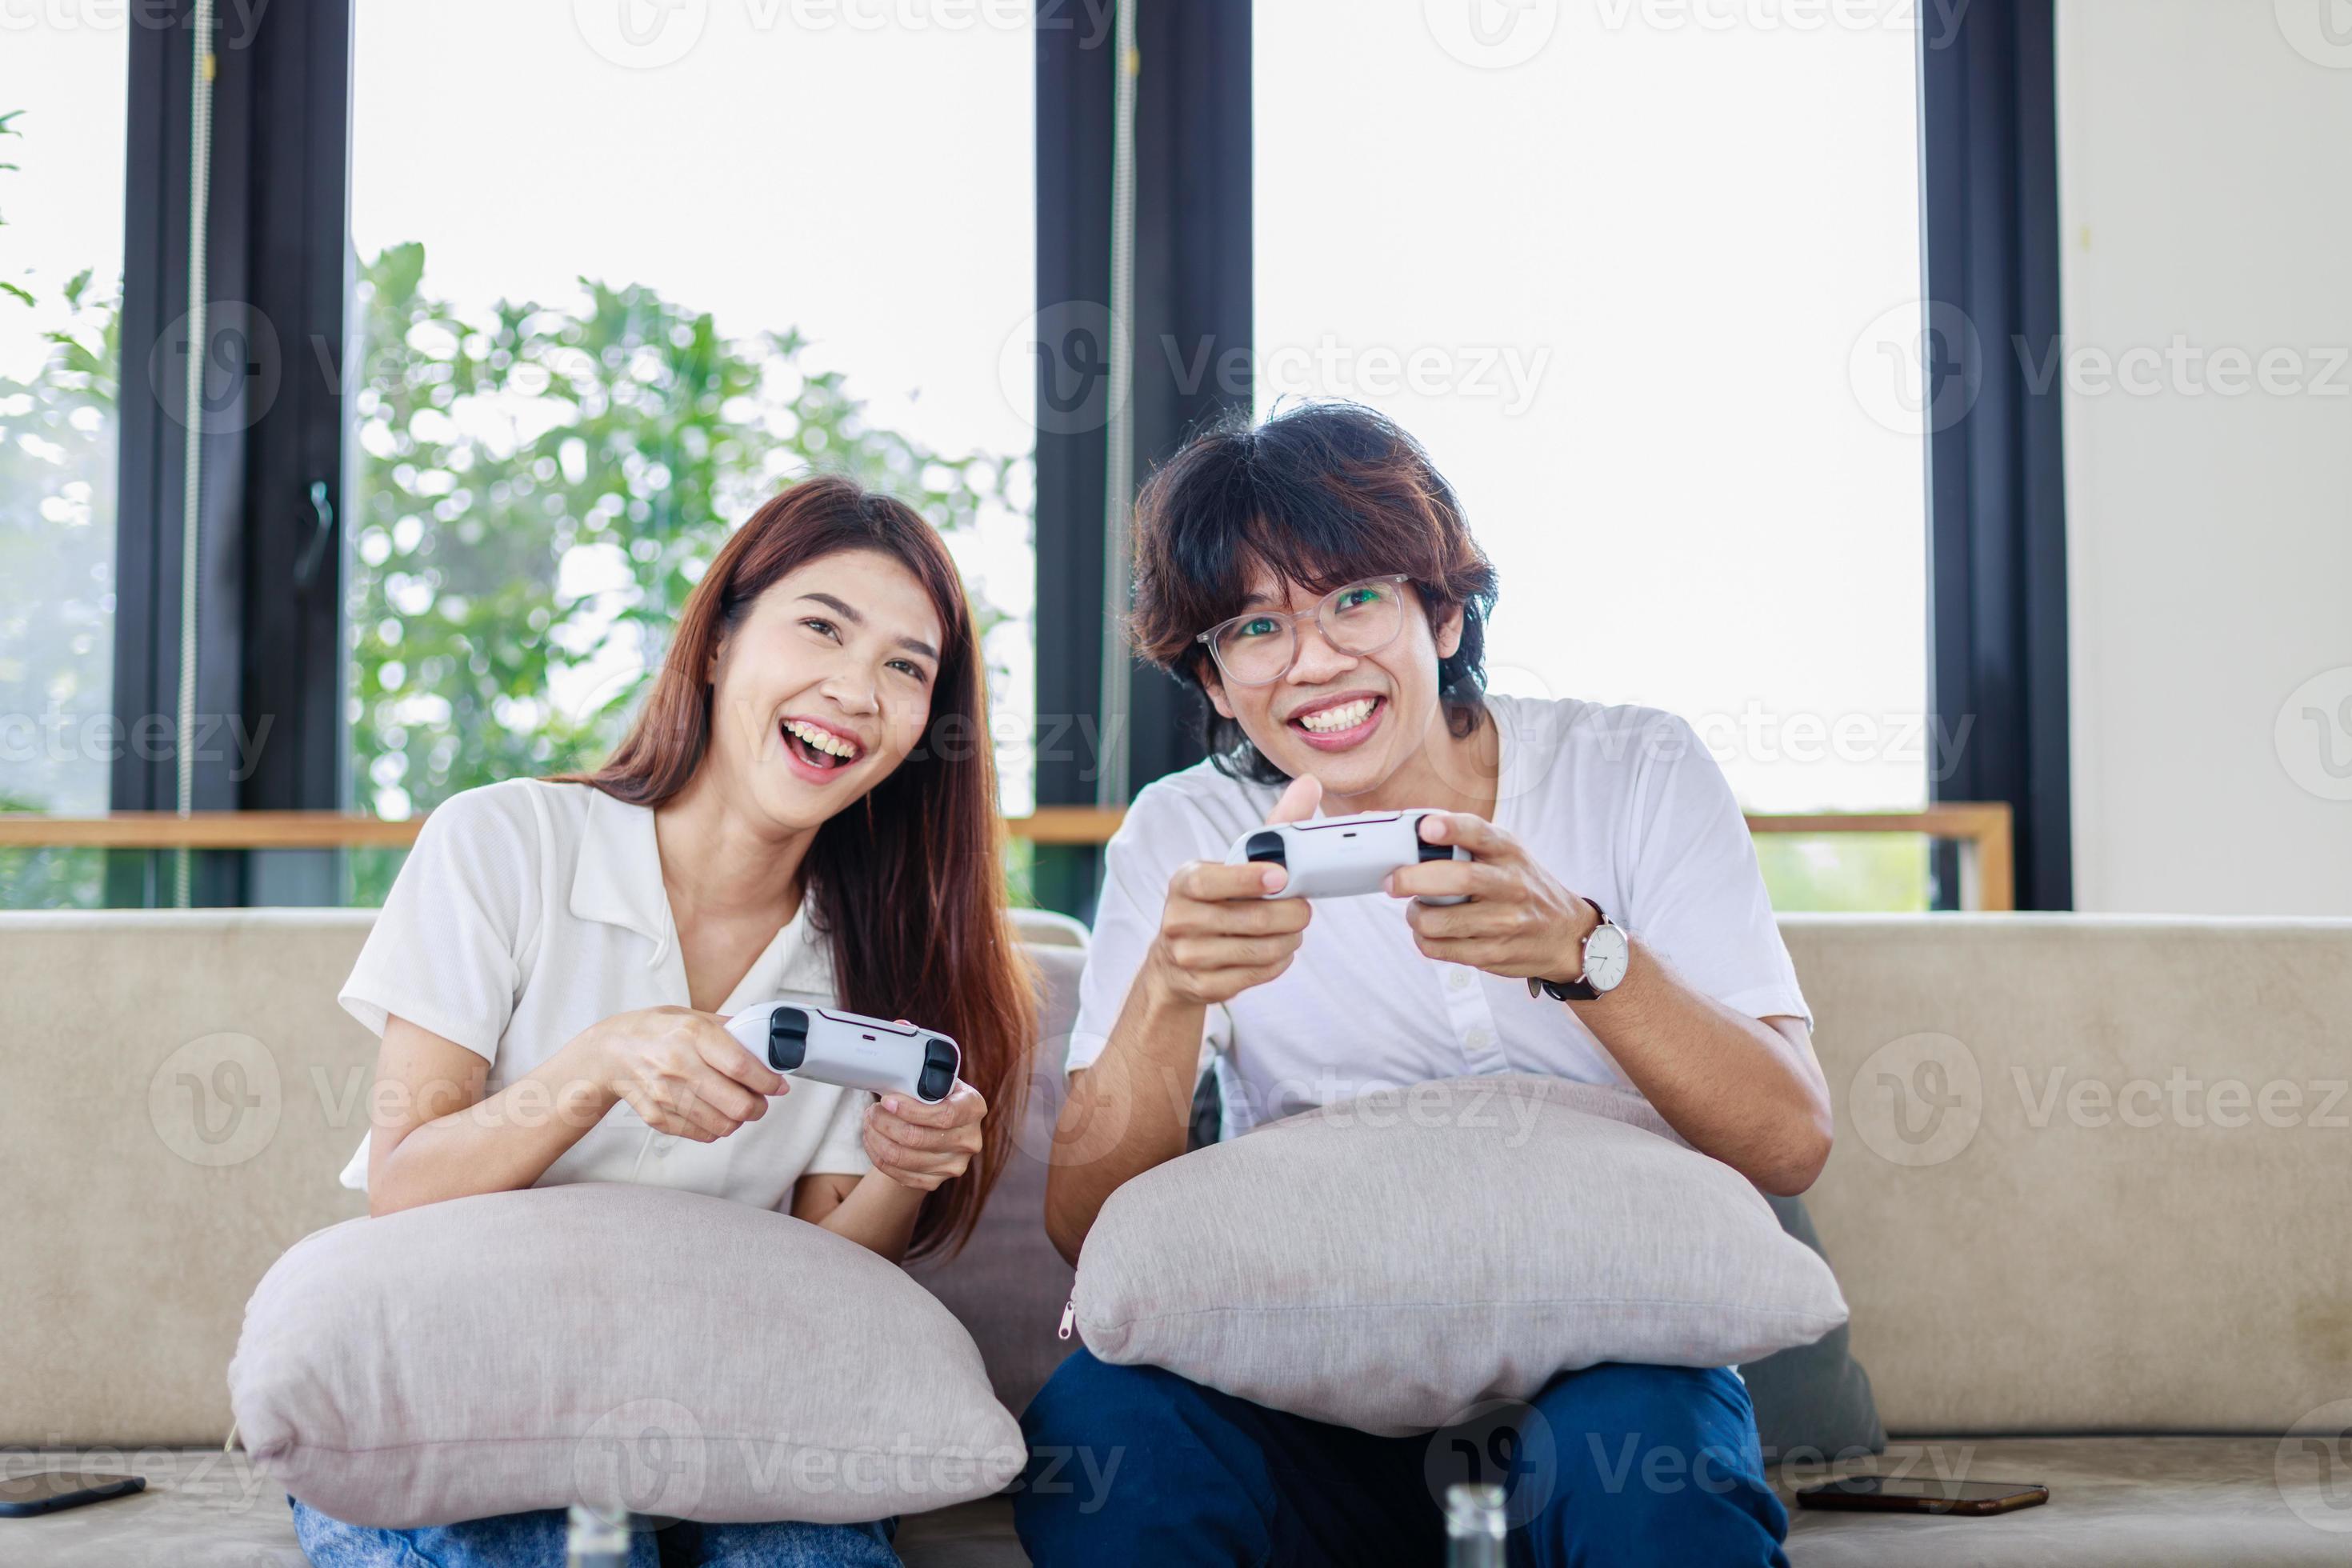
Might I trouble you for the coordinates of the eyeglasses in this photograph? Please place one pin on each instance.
(1259, 647)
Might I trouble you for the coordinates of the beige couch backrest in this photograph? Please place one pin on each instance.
(177, 1094)
(2091, 1173)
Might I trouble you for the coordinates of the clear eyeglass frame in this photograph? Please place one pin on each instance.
(1324, 614)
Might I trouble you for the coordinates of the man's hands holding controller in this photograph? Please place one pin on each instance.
(1221, 935)
(686, 1076)
(1519, 923)
(1218, 933)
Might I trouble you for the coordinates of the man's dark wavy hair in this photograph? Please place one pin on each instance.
(1320, 495)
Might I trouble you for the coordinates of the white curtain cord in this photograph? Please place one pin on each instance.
(1118, 468)
(200, 186)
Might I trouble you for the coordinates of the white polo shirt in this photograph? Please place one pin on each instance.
(1624, 805)
(530, 911)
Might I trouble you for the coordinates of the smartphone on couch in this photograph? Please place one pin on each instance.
(1887, 1494)
(47, 1492)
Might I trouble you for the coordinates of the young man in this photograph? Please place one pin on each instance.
(1314, 575)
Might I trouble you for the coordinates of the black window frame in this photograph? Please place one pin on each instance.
(1191, 312)
(269, 633)
(1996, 473)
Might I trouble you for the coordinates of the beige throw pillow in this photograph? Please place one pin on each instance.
(1389, 1262)
(681, 1355)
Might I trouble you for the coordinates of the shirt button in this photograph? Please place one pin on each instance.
(1480, 1038)
(1457, 980)
(663, 1143)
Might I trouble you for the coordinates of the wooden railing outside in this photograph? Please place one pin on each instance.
(1988, 863)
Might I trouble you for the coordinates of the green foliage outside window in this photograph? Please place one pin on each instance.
(1844, 872)
(496, 454)
(56, 489)
(500, 452)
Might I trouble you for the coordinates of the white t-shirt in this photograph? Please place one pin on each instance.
(1623, 805)
(530, 911)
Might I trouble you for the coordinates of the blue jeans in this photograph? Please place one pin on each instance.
(536, 1541)
(1613, 1464)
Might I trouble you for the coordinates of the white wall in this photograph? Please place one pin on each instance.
(2206, 199)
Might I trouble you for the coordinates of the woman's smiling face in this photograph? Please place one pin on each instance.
(823, 686)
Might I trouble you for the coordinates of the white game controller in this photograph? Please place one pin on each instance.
(850, 1050)
(1343, 857)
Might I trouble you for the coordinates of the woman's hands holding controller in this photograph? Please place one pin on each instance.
(679, 1069)
(686, 1075)
(1219, 934)
(1519, 923)
(923, 1146)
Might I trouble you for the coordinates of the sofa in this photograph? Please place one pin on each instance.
(2088, 1206)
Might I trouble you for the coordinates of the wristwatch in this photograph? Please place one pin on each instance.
(1607, 953)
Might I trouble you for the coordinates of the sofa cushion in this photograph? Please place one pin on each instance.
(1812, 1401)
(1389, 1262)
(606, 1343)
(1008, 1284)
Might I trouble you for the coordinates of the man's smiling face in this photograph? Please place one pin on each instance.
(1350, 720)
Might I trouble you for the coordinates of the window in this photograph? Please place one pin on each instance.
(609, 303)
(62, 128)
(1618, 267)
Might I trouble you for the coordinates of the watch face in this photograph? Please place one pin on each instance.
(1605, 957)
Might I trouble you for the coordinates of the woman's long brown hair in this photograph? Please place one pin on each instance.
(907, 884)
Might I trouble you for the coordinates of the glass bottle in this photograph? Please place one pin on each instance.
(599, 1537)
(1474, 1526)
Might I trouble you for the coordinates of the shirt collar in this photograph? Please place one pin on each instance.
(619, 877)
(619, 882)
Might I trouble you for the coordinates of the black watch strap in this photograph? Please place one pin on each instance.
(1579, 989)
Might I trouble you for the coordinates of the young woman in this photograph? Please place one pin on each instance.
(805, 808)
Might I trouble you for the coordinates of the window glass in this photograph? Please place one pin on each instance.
(611, 299)
(1625, 269)
(61, 200)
